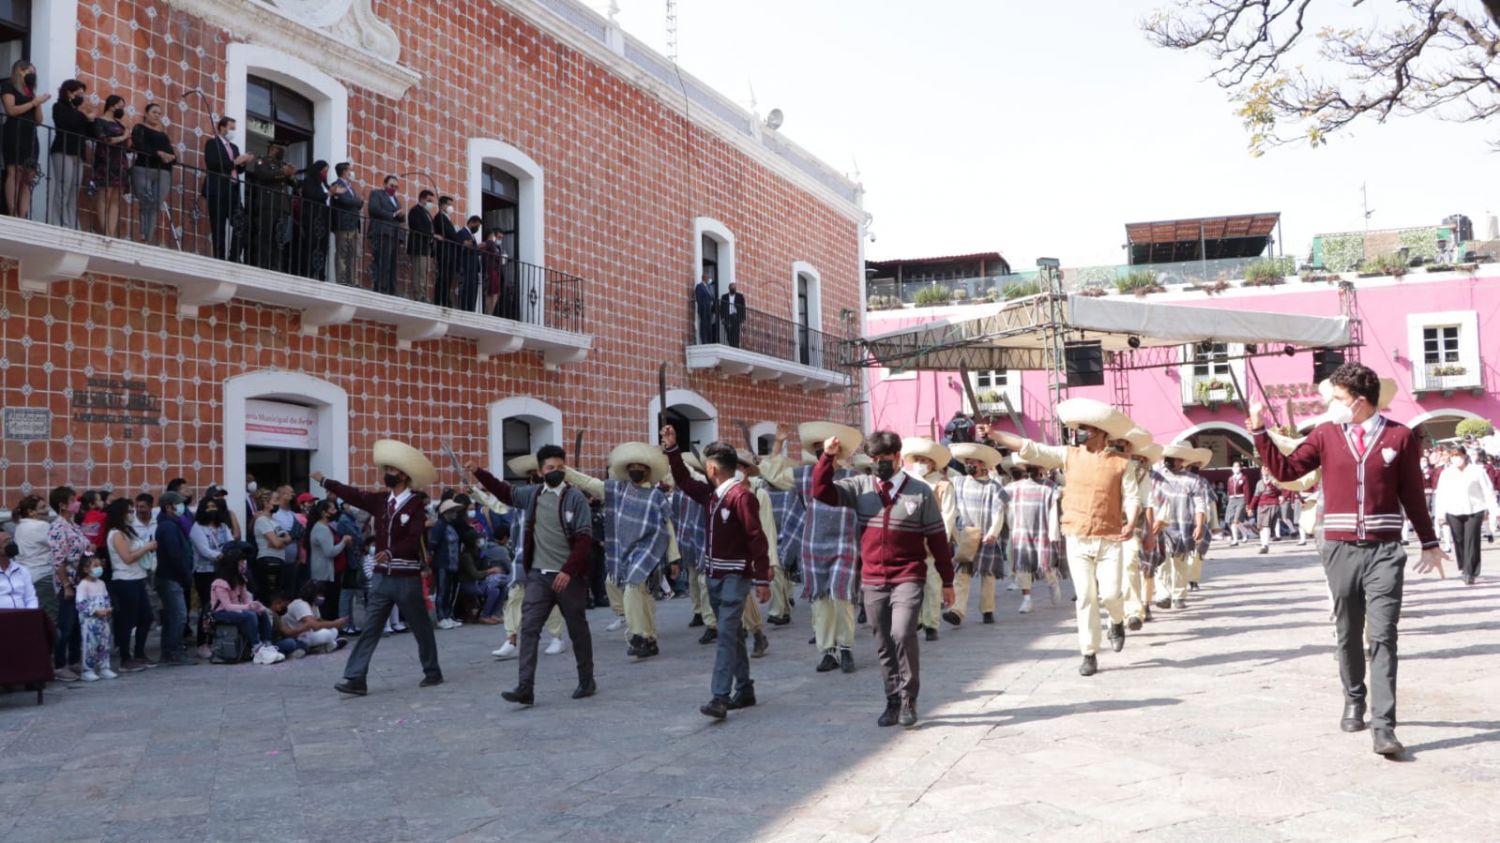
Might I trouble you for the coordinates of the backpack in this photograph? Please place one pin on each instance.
(228, 646)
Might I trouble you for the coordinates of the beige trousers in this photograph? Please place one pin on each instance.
(1173, 575)
(1098, 572)
(781, 593)
(616, 597)
(833, 623)
(698, 593)
(640, 611)
(1195, 567)
(512, 614)
(932, 598)
(961, 583)
(1138, 586)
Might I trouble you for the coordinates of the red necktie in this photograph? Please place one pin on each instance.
(1359, 440)
(390, 512)
(884, 488)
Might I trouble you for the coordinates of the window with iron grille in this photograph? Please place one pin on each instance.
(1440, 344)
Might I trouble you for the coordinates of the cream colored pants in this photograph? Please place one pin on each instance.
(1195, 567)
(932, 598)
(616, 597)
(961, 582)
(698, 593)
(1174, 575)
(833, 623)
(1098, 567)
(512, 614)
(781, 594)
(1138, 586)
(640, 611)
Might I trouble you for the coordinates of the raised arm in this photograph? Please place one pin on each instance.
(495, 486)
(828, 491)
(371, 502)
(700, 492)
(591, 486)
(1286, 468)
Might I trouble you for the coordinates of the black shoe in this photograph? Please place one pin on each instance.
(651, 649)
(989, 617)
(892, 714)
(779, 620)
(710, 635)
(696, 621)
(1386, 743)
(846, 660)
(743, 698)
(862, 620)
(1354, 718)
(520, 696)
(1264, 550)
(908, 713)
(1133, 624)
(586, 688)
(1192, 586)
(355, 687)
(1164, 603)
(636, 646)
(429, 681)
(813, 640)
(1089, 667)
(932, 635)
(1179, 603)
(759, 649)
(717, 708)
(829, 662)
(1148, 618)
(1117, 636)
(953, 617)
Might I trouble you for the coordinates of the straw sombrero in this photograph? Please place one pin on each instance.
(449, 504)
(1152, 453)
(1202, 457)
(523, 465)
(747, 462)
(407, 459)
(921, 446)
(808, 457)
(1303, 483)
(691, 460)
(863, 461)
(812, 433)
(1179, 452)
(1138, 437)
(638, 453)
(964, 451)
(1075, 412)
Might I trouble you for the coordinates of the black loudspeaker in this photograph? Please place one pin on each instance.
(1085, 363)
(1325, 360)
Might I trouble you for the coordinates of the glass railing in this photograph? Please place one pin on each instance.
(262, 217)
(885, 293)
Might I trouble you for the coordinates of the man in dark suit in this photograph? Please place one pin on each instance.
(466, 247)
(445, 240)
(269, 207)
(419, 243)
(221, 188)
(703, 297)
(732, 315)
(345, 205)
(385, 222)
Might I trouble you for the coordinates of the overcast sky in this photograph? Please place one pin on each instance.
(1038, 129)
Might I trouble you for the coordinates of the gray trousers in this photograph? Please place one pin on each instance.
(346, 257)
(148, 189)
(404, 593)
(892, 612)
(727, 596)
(64, 182)
(1365, 581)
(537, 605)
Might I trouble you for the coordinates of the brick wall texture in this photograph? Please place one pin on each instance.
(625, 177)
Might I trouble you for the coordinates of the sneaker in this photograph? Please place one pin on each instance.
(556, 646)
(445, 624)
(507, 651)
(131, 666)
(205, 652)
(1026, 605)
(89, 676)
(106, 673)
(62, 674)
(616, 626)
(1010, 585)
(298, 653)
(456, 623)
(399, 628)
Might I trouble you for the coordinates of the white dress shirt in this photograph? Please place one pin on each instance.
(1466, 491)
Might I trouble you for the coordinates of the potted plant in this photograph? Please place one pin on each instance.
(1264, 274)
(1141, 282)
(1212, 392)
(1478, 428)
(1216, 287)
(989, 400)
(932, 296)
(1021, 289)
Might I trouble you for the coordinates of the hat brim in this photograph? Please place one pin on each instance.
(1178, 452)
(638, 453)
(964, 451)
(523, 465)
(921, 446)
(1086, 412)
(408, 460)
(746, 462)
(816, 433)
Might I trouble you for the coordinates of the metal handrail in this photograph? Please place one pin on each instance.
(763, 333)
(262, 219)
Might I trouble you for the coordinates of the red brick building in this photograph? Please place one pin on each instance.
(615, 180)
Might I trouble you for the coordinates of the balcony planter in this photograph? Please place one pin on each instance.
(1213, 393)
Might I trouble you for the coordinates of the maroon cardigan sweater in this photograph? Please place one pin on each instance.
(1362, 498)
(896, 536)
(732, 525)
(403, 537)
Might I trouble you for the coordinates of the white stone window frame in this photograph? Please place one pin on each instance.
(531, 183)
(725, 238)
(329, 97)
(800, 270)
(1467, 322)
(1011, 389)
(545, 420)
(1189, 381)
(329, 400)
(705, 428)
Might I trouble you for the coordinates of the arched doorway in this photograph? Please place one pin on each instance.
(694, 418)
(1228, 442)
(1437, 425)
(289, 424)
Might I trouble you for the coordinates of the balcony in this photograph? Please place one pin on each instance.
(277, 248)
(1447, 378)
(766, 348)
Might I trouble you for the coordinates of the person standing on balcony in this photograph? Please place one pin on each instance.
(732, 314)
(346, 206)
(269, 207)
(385, 229)
(466, 246)
(703, 297)
(420, 242)
(1371, 474)
(491, 258)
(221, 189)
(111, 164)
(151, 176)
(18, 136)
(313, 258)
(74, 125)
(445, 241)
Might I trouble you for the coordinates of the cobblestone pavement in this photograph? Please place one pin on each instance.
(1218, 722)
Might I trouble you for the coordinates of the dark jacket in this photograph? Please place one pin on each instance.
(346, 208)
(73, 129)
(403, 536)
(419, 221)
(578, 528)
(220, 165)
(385, 214)
(174, 553)
(734, 540)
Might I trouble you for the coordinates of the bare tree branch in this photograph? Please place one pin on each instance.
(1427, 56)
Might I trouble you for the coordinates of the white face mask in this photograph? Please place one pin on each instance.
(430, 207)
(250, 487)
(1340, 413)
(1235, 470)
(1457, 462)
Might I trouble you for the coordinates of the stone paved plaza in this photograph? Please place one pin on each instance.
(1216, 723)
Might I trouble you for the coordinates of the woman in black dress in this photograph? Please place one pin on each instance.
(313, 261)
(18, 137)
(111, 164)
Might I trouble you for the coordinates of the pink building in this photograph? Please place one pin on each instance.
(1437, 334)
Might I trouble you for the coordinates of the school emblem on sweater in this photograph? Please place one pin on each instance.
(1388, 454)
(405, 517)
(911, 506)
(724, 515)
(568, 517)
